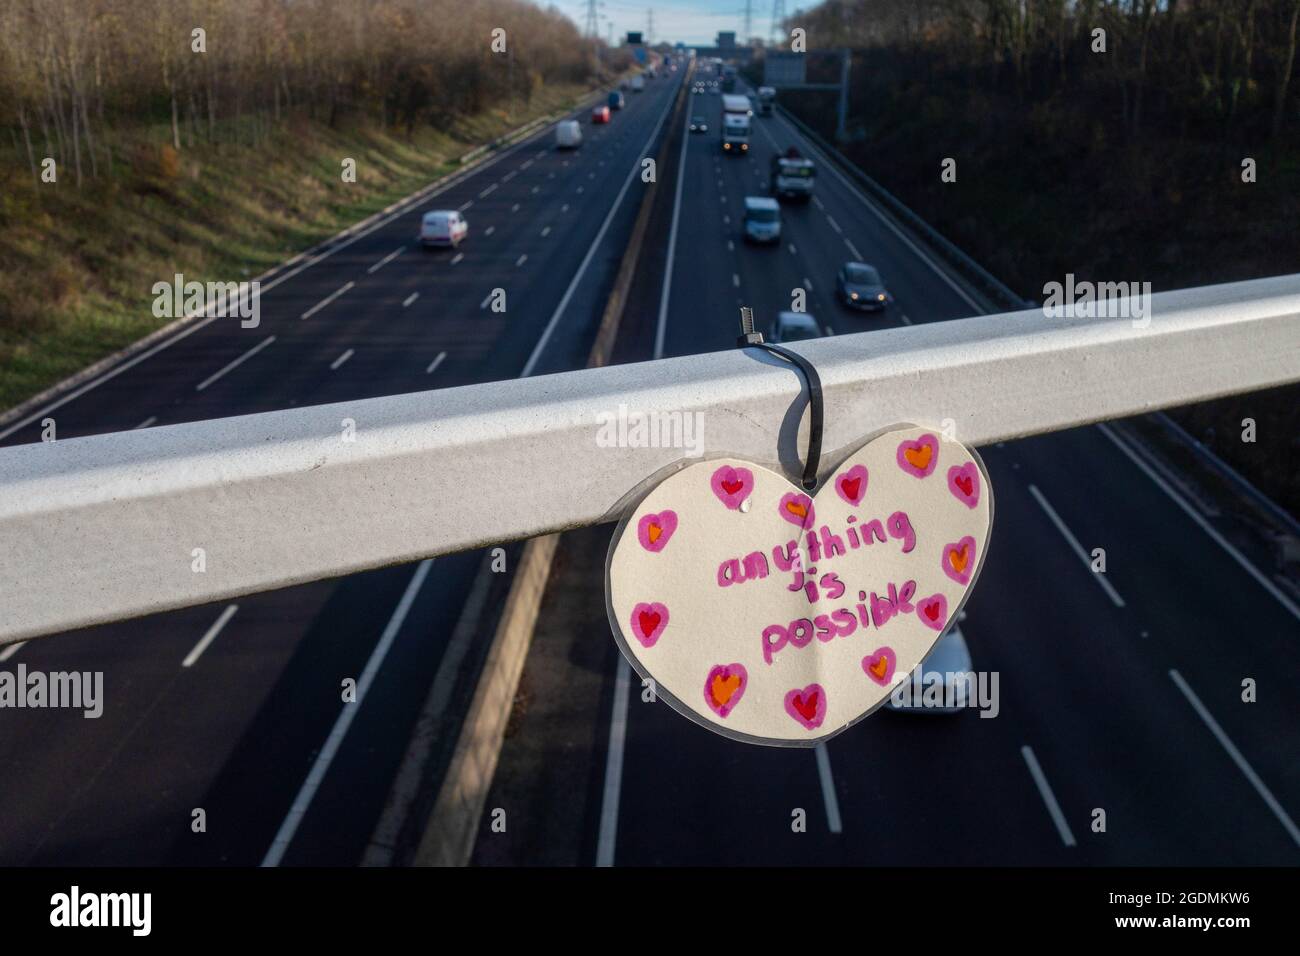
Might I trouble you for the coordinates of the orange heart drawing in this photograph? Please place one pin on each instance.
(919, 457)
(958, 558)
(723, 687)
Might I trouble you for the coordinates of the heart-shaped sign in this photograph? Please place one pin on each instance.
(777, 617)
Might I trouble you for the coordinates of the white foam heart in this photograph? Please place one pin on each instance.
(778, 618)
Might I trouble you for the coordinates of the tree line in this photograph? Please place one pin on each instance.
(1222, 66)
(218, 71)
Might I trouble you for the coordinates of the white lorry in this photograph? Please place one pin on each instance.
(793, 175)
(736, 111)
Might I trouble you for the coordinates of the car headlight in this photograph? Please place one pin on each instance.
(853, 295)
(881, 297)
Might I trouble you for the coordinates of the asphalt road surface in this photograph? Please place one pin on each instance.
(1118, 692)
(236, 709)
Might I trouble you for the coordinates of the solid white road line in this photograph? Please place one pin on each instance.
(591, 252)
(435, 363)
(1075, 546)
(828, 789)
(384, 261)
(661, 327)
(409, 299)
(284, 836)
(327, 300)
(10, 651)
(608, 833)
(340, 360)
(147, 422)
(1049, 798)
(210, 636)
(236, 363)
(1208, 528)
(609, 802)
(1287, 823)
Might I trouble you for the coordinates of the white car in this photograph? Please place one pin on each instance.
(794, 327)
(443, 227)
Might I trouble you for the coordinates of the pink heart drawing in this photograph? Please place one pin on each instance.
(724, 687)
(852, 485)
(880, 664)
(648, 622)
(732, 485)
(933, 611)
(808, 706)
(959, 560)
(654, 530)
(919, 457)
(797, 509)
(964, 483)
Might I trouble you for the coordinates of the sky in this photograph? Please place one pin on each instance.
(690, 21)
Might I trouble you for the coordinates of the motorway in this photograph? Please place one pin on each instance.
(236, 709)
(1119, 692)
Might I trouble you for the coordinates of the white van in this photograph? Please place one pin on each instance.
(568, 134)
(762, 219)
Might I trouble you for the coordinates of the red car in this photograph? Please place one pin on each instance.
(600, 114)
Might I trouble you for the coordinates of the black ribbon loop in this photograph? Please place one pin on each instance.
(749, 338)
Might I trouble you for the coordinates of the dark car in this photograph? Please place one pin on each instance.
(616, 100)
(698, 125)
(860, 287)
